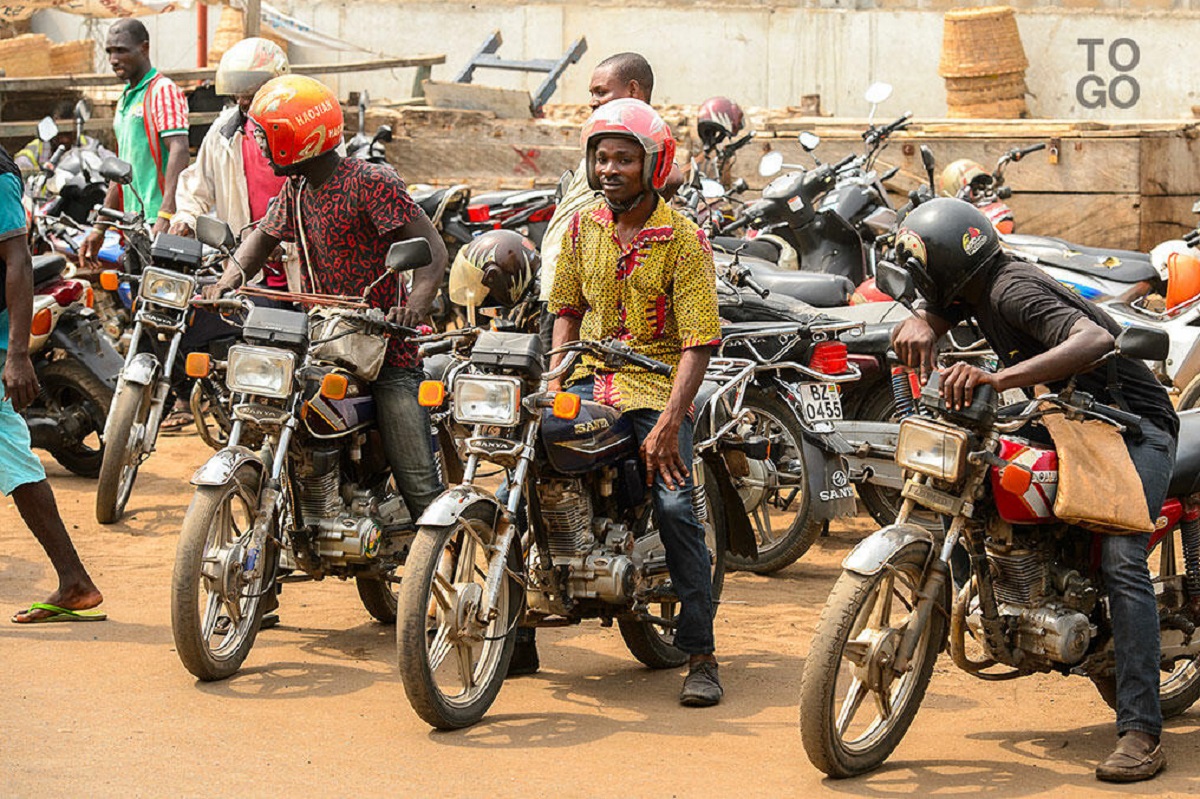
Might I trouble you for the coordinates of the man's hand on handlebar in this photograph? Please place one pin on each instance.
(181, 229)
(957, 384)
(89, 248)
(214, 291)
(407, 315)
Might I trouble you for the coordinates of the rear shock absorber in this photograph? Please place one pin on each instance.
(902, 391)
(1189, 529)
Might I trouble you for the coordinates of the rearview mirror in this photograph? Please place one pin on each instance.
(83, 110)
(1143, 343)
(564, 183)
(47, 129)
(895, 282)
(927, 158)
(214, 233)
(384, 134)
(711, 189)
(809, 141)
(116, 170)
(878, 92)
(770, 164)
(407, 255)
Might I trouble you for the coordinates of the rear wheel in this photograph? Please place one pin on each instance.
(378, 597)
(80, 400)
(123, 453)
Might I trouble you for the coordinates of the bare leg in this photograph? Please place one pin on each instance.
(76, 591)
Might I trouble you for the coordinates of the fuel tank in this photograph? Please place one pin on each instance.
(1036, 504)
(598, 436)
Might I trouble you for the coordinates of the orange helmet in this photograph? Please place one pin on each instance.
(631, 119)
(1183, 278)
(963, 173)
(299, 118)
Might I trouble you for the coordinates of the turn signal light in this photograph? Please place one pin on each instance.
(90, 298)
(197, 364)
(1015, 479)
(566, 405)
(110, 280)
(431, 394)
(43, 320)
(829, 357)
(478, 213)
(334, 386)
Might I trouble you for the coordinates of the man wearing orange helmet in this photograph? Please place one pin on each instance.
(344, 214)
(633, 268)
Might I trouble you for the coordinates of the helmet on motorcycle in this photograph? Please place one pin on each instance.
(1183, 278)
(866, 292)
(719, 118)
(963, 173)
(299, 118)
(248, 65)
(495, 268)
(631, 119)
(944, 243)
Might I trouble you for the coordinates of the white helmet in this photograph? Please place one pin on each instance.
(248, 65)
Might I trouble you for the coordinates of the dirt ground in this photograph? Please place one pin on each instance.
(107, 710)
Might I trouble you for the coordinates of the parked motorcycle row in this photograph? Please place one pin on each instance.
(803, 412)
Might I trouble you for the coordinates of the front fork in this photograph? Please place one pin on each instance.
(269, 504)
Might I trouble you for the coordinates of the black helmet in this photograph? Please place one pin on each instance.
(495, 268)
(943, 244)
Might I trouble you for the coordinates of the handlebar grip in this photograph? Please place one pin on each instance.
(399, 330)
(1131, 421)
(219, 303)
(740, 143)
(58, 154)
(649, 364)
(755, 286)
(1027, 150)
(437, 347)
(844, 162)
(740, 221)
(110, 213)
(1192, 238)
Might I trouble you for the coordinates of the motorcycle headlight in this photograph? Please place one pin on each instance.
(490, 400)
(262, 371)
(166, 288)
(932, 449)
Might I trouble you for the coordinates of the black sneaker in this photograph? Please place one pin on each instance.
(701, 686)
(525, 655)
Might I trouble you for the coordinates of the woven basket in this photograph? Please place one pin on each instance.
(1000, 109)
(72, 58)
(25, 56)
(229, 33)
(985, 89)
(981, 41)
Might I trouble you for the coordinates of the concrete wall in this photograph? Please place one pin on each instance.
(760, 53)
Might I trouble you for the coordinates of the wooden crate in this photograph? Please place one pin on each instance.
(72, 58)
(25, 56)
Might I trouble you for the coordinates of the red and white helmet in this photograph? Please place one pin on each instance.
(719, 118)
(631, 119)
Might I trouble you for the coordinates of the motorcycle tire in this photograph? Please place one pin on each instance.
(848, 612)
(119, 466)
(66, 383)
(438, 553)
(378, 597)
(653, 645)
(1189, 398)
(216, 655)
(802, 530)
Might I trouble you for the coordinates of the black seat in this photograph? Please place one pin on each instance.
(1185, 477)
(47, 268)
(814, 288)
(429, 200)
(757, 248)
(1121, 266)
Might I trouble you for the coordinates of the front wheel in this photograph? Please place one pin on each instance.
(215, 609)
(854, 707)
(122, 452)
(453, 662)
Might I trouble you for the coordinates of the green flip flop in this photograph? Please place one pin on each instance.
(59, 614)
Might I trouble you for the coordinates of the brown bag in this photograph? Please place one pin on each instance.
(1098, 487)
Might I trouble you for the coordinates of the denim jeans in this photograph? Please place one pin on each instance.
(407, 438)
(1123, 563)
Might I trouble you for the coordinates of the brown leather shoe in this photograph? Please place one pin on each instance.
(1138, 756)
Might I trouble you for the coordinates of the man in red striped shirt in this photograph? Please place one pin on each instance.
(151, 124)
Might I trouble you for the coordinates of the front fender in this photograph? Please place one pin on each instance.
(143, 369)
(875, 550)
(220, 468)
(455, 503)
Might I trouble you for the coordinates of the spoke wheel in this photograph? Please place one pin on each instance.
(215, 608)
(123, 451)
(775, 491)
(453, 662)
(854, 707)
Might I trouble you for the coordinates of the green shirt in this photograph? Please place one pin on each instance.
(166, 109)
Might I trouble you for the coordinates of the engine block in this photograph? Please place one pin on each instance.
(567, 516)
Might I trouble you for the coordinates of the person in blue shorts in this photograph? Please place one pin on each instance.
(21, 473)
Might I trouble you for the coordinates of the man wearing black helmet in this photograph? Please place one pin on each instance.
(1044, 334)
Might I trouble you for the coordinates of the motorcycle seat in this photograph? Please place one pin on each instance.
(429, 200)
(48, 267)
(815, 288)
(874, 340)
(1185, 476)
(1120, 266)
(755, 248)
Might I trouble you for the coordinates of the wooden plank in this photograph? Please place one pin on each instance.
(478, 162)
(1097, 220)
(1170, 165)
(504, 103)
(95, 125)
(1166, 218)
(424, 121)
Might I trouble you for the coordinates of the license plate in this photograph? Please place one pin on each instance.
(820, 402)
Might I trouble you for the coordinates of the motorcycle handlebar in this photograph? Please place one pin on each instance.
(1019, 154)
(649, 364)
(734, 146)
(58, 154)
(739, 221)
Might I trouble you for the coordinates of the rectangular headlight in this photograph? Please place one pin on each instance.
(493, 400)
(166, 288)
(261, 371)
(932, 449)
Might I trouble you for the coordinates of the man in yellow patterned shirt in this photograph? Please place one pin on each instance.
(633, 269)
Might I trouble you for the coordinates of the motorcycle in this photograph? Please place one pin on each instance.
(315, 496)
(76, 367)
(591, 550)
(370, 149)
(1030, 600)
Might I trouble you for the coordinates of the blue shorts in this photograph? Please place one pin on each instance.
(18, 465)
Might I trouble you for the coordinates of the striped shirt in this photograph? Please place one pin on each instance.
(147, 114)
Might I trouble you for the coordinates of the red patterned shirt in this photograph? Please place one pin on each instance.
(659, 294)
(350, 221)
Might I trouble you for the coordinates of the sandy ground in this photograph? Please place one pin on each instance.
(107, 710)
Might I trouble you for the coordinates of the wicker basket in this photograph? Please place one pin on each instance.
(72, 58)
(25, 56)
(981, 41)
(229, 33)
(998, 109)
(985, 89)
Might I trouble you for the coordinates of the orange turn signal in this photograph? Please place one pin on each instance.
(43, 320)
(110, 280)
(90, 298)
(431, 394)
(566, 405)
(334, 386)
(197, 364)
(1015, 479)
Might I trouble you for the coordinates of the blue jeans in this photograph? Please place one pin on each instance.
(407, 437)
(1124, 566)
